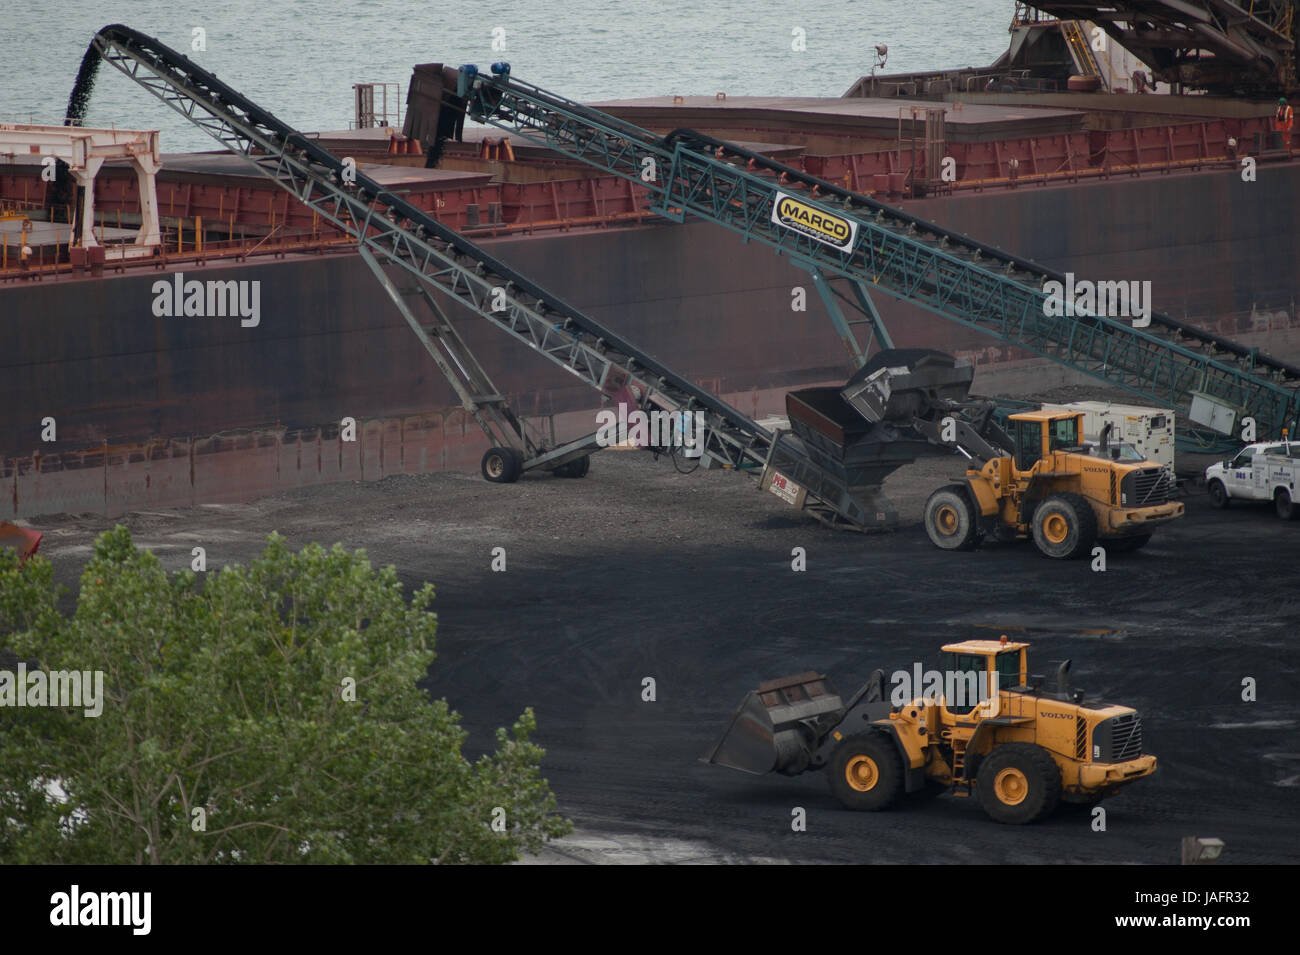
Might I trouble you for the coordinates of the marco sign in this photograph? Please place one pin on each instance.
(814, 222)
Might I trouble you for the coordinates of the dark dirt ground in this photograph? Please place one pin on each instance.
(640, 571)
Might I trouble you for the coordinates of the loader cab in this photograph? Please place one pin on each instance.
(1039, 433)
(966, 666)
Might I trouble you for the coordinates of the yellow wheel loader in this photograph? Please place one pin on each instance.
(1036, 479)
(982, 725)
(1052, 488)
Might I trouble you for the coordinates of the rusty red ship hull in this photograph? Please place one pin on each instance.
(153, 409)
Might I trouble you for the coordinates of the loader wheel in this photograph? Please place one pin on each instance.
(1218, 495)
(1018, 783)
(1065, 526)
(950, 518)
(502, 465)
(866, 772)
(1286, 508)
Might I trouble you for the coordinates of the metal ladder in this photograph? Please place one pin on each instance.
(1080, 49)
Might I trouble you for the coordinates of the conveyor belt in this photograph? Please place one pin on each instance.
(391, 230)
(963, 279)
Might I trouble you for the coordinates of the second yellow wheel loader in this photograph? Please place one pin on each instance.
(1037, 479)
(1020, 749)
(1054, 489)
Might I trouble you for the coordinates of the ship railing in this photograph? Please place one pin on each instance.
(55, 261)
(1028, 15)
(1021, 79)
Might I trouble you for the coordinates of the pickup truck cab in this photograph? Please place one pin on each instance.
(1266, 471)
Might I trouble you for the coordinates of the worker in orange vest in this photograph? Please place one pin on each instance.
(1282, 121)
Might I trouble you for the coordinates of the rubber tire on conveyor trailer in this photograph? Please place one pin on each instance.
(502, 465)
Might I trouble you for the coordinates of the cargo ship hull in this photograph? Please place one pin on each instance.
(170, 410)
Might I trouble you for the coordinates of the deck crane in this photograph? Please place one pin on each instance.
(390, 231)
(874, 245)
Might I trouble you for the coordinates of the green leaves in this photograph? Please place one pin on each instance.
(267, 714)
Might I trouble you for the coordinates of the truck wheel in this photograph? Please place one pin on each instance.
(502, 465)
(866, 772)
(950, 518)
(1286, 508)
(1018, 783)
(1218, 495)
(1065, 526)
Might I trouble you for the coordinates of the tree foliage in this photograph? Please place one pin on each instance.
(269, 715)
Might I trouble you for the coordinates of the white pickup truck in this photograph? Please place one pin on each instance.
(1266, 471)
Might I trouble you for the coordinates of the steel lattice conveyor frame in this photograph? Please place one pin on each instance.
(959, 278)
(389, 229)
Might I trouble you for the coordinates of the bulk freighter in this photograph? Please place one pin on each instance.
(119, 394)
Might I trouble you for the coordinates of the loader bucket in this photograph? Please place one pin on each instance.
(774, 728)
(747, 744)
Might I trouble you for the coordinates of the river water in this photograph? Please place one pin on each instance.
(299, 58)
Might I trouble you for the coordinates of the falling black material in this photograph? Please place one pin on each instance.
(65, 198)
(65, 195)
(451, 125)
(79, 100)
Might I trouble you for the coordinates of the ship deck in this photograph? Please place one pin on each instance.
(217, 168)
(866, 144)
(872, 118)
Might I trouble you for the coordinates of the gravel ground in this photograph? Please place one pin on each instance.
(638, 571)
